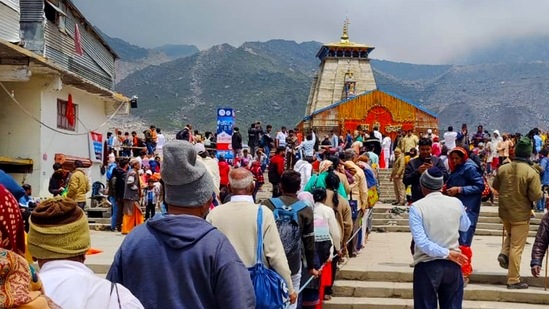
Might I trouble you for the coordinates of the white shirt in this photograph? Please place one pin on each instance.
(378, 135)
(160, 141)
(71, 284)
(386, 144)
(281, 137)
(450, 140)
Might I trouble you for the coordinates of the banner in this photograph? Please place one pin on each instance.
(225, 123)
(96, 146)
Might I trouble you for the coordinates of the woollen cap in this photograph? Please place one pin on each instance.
(523, 148)
(187, 183)
(432, 179)
(58, 229)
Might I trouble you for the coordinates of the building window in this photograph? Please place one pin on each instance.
(62, 120)
(56, 14)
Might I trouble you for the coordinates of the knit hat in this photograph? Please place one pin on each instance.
(58, 229)
(523, 148)
(432, 179)
(187, 183)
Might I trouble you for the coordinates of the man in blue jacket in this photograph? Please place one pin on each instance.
(178, 260)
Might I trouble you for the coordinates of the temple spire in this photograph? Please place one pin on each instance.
(345, 35)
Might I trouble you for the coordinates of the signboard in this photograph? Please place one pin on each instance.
(225, 123)
(96, 146)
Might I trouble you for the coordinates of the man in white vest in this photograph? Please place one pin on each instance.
(435, 221)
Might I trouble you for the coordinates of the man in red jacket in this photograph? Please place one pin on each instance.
(276, 168)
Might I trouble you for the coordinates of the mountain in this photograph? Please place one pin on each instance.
(270, 81)
(134, 58)
(259, 83)
(525, 49)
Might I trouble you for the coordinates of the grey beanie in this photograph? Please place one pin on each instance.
(432, 179)
(187, 183)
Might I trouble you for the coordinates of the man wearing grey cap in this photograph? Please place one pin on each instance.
(435, 222)
(178, 260)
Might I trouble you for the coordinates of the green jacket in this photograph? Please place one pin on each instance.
(519, 186)
(319, 181)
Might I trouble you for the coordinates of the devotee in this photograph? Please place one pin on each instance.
(237, 220)
(434, 222)
(133, 216)
(79, 185)
(466, 183)
(59, 238)
(186, 251)
(519, 186)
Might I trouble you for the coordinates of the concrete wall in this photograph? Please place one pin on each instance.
(91, 114)
(19, 133)
(21, 136)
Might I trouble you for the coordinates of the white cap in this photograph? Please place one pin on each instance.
(199, 147)
(149, 172)
(429, 131)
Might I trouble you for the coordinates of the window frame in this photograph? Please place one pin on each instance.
(62, 120)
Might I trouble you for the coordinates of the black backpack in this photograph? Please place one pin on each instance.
(287, 223)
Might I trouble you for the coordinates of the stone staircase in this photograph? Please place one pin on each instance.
(380, 277)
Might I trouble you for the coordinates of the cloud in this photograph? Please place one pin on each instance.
(417, 31)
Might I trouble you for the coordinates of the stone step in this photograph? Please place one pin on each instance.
(406, 229)
(483, 212)
(481, 292)
(480, 225)
(477, 278)
(397, 303)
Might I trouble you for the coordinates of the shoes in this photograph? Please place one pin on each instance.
(327, 297)
(394, 203)
(465, 281)
(503, 261)
(517, 286)
(412, 265)
(352, 255)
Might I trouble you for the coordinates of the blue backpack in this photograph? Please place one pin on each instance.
(271, 291)
(287, 223)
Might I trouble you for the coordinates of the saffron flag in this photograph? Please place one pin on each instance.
(69, 113)
(77, 41)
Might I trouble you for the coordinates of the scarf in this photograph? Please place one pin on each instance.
(12, 227)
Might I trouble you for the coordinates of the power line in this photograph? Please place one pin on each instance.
(54, 129)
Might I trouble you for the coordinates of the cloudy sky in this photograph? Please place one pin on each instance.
(416, 31)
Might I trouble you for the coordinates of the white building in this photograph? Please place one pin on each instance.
(40, 66)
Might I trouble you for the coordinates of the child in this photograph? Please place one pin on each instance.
(151, 194)
(258, 176)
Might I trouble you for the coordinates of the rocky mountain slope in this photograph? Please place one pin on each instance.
(134, 58)
(270, 81)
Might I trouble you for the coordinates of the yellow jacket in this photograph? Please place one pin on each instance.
(79, 185)
(398, 167)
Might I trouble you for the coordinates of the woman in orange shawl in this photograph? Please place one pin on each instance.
(21, 287)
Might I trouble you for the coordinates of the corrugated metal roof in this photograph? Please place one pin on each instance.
(11, 51)
(421, 108)
(9, 23)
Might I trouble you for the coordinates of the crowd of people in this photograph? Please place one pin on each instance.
(201, 215)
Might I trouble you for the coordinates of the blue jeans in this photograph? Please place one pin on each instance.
(267, 151)
(112, 199)
(440, 280)
(150, 149)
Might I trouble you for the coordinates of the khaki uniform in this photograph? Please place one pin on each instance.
(519, 186)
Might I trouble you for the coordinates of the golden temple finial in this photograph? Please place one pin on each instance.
(345, 36)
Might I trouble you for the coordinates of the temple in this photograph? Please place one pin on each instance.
(344, 95)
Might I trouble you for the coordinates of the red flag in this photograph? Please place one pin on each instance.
(77, 41)
(69, 113)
